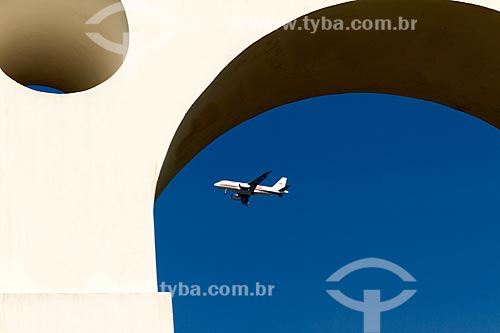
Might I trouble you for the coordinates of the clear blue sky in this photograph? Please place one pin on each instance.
(373, 176)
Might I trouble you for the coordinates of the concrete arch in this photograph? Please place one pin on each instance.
(62, 44)
(451, 59)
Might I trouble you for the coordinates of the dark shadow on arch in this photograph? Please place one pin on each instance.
(62, 44)
(451, 59)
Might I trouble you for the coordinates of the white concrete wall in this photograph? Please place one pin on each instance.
(86, 313)
(78, 172)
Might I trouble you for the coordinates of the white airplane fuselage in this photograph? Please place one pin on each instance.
(245, 188)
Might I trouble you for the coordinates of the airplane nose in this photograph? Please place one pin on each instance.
(217, 184)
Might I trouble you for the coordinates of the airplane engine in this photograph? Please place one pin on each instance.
(235, 197)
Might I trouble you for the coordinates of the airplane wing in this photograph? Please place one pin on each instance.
(257, 181)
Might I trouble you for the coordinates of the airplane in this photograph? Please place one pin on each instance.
(243, 191)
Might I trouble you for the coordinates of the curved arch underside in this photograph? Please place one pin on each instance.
(452, 58)
(47, 42)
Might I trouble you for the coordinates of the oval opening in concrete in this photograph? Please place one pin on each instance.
(69, 45)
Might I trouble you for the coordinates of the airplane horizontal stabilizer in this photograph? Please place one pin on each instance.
(285, 188)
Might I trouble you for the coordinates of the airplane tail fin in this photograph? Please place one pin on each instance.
(281, 184)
